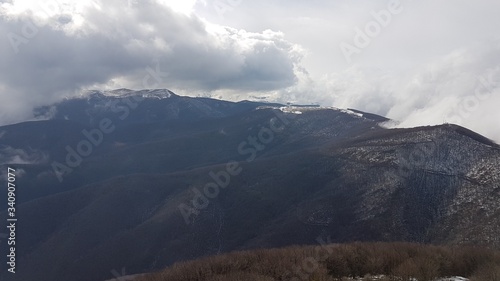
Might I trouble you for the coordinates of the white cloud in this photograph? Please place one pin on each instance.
(12, 156)
(139, 46)
(185, 7)
(461, 88)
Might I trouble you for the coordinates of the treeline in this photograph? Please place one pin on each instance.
(361, 261)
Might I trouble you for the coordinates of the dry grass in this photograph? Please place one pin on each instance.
(363, 261)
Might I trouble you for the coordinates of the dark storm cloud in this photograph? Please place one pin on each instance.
(117, 44)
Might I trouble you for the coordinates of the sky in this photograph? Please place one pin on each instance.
(420, 62)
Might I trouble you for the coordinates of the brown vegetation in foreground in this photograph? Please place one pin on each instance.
(396, 261)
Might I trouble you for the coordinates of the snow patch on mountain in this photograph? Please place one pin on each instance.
(150, 93)
(350, 112)
(287, 109)
(299, 109)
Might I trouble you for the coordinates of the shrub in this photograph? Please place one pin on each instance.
(366, 261)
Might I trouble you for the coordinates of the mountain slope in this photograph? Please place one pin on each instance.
(159, 192)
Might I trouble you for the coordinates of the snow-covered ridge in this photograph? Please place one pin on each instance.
(299, 109)
(288, 109)
(124, 93)
(350, 112)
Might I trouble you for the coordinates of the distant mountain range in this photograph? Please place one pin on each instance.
(138, 180)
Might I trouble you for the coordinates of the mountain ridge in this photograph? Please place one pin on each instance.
(320, 171)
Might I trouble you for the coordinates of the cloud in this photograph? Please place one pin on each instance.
(425, 67)
(462, 87)
(12, 156)
(112, 45)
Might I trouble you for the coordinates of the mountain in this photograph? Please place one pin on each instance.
(143, 179)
